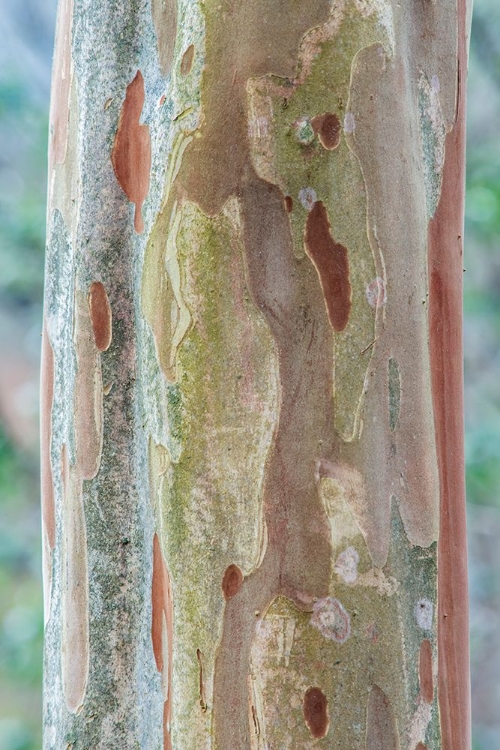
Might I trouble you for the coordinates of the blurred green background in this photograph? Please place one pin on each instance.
(26, 31)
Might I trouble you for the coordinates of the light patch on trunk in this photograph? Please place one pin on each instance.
(74, 590)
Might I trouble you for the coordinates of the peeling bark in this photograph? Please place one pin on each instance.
(252, 377)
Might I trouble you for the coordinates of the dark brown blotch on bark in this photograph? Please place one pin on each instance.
(100, 315)
(187, 60)
(131, 155)
(316, 712)
(332, 265)
(425, 672)
(232, 581)
(289, 203)
(328, 129)
(421, 746)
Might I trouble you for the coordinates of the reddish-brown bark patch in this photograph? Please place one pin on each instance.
(100, 315)
(316, 712)
(328, 129)
(47, 398)
(131, 155)
(421, 746)
(289, 203)
(332, 265)
(381, 730)
(187, 60)
(425, 672)
(232, 581)
(162, 612)
(445, 332)
(161, 602)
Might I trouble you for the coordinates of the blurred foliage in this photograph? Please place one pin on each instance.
(26, 30)
(482, 260)
(21, 618)
(23, 127)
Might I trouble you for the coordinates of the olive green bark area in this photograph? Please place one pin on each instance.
(302, 165)
(222, 412)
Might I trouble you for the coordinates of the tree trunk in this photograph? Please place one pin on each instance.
(252, 377)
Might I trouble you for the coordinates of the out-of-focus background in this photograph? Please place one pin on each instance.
(26, 39)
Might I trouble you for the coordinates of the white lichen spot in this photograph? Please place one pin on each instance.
(349, 122)
(424, 613)
(331, 619)
(308, 197)
(304, 131)
(435, 85)
(346, 565)
(376, 293)
(417, 727)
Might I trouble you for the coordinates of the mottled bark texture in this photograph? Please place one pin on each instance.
(253, 507)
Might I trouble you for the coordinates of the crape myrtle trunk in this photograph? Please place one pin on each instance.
(252, 459)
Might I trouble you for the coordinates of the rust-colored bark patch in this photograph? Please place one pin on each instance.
(187, 60)
(381, 731)
(421, 746)
(316, 712)
(232, 581)
(425, 672)
(162, 631)
(165, 21)
(100, 314)
(131, 155)
(289, 203)
(47, 397)
(161, 602)
(332, 265)
(445, 340)
(328, 129)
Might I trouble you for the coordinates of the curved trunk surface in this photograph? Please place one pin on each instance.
(253, 505)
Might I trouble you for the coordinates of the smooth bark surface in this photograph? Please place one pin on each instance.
(253, 506)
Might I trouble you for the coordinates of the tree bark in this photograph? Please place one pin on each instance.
(252, 469)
